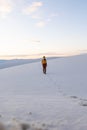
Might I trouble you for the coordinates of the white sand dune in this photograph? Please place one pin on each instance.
(30, 100)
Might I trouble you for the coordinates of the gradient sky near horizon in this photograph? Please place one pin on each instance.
(42, 26)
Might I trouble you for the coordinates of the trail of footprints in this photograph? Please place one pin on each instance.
(82, 102)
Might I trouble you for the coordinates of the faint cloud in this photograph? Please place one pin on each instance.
(46, 21)
(36, 41)
(53, 15)
(31, 40)
(34, 12)
(36, 16)
(5, 7)
(32, 8)
(41, 24)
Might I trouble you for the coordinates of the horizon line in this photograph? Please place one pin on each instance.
(39, 55)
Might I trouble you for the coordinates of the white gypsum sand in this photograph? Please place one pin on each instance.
(55, 101)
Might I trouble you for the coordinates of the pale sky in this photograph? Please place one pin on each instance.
(43, 26)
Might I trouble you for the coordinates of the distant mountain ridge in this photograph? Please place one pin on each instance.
(16, 62)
